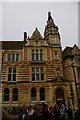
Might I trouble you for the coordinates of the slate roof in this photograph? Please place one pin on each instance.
(11, 45)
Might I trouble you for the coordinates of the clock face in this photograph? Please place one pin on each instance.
(53, 40)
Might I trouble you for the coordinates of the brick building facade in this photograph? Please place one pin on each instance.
(32, 69)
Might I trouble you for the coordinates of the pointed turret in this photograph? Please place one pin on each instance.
(51, 31)
(50, 28)
(50, 20)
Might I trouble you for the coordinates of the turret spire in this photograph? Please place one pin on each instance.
(50, 20)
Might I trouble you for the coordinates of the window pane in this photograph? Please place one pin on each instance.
(32, 56)
(56, 56)
(42, 77)
(36, 50)
(36, 42)
(37, 77)
(33, 77)
(6, 91)
(15, 94)
(33, 69)
(41, 50)
(9, 77)
(6, 94)
(14, 70)
(13, 57)
(33, 94)
(37, 57)
(41, 56)
(9, 70)
(32, 51)
(37, 69)
(42, 69)
(17, 57)
(9, 56)
(42, 94)
(6, 98)
(14, 77)
(15, 98)
(15, 91)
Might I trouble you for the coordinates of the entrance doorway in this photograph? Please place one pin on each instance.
(60, 95)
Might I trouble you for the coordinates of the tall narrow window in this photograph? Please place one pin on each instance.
(42, 74)
(33, 73)
(9, 57)
(6, 94)
(15, 94)
(41, 54)
(33, 55)
(14, 74)
(37, 73)
(11, 74)
(13, 57)
(56, 56)
(37, 55)
(78, 70)
(17, 57)
(42, 94)
(33, 94)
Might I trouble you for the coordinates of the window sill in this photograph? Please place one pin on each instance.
(42, 101)
(37, 81)
(5, 102)
(14, 101)
(34, 101)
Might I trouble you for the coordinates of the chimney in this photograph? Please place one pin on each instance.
(25, 36)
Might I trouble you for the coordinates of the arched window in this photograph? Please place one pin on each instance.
(42, 94)
(6, 94)
(33, 94)
(15, 94)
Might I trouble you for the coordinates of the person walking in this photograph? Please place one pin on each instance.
(23, 115)
(57, 112)
(37, 115)
(51, 112)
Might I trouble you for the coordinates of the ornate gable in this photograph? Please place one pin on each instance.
(75, 49)
(36, 35)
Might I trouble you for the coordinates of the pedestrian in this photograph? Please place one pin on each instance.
(69, 112)
(45, 112)
(62, 111)
(51, 112)
(23, 115)
(57, 112)
(30, 110)
(77, 114)
(37, 115)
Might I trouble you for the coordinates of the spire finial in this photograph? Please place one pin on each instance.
(50, 20)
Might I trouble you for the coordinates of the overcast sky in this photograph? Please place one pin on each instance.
(18, 17)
